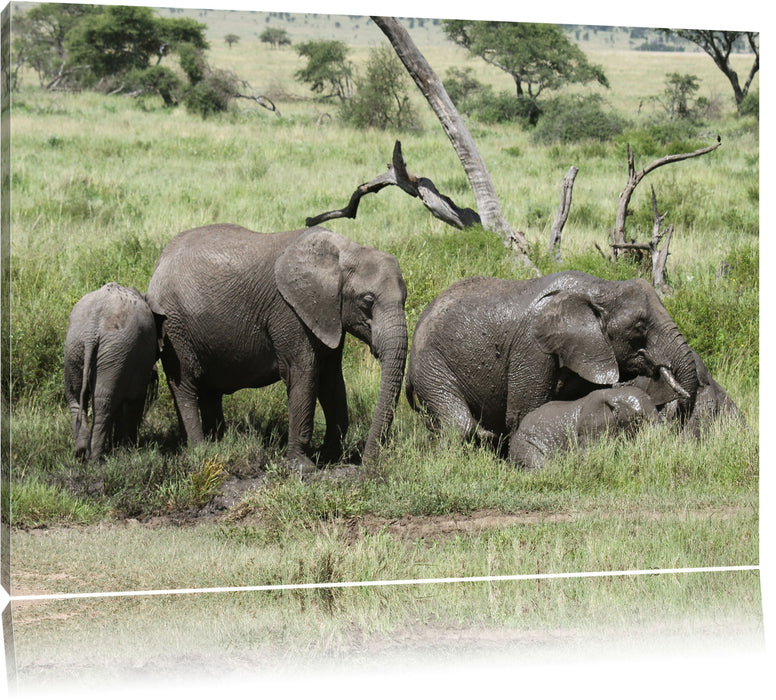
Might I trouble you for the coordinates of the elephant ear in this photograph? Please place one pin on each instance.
(569, 327)
(308, 276)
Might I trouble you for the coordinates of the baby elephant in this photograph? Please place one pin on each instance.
(558, 425)
(110, 360)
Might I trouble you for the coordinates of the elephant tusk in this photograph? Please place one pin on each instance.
(671, 380)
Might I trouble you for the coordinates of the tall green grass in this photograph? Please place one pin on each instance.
(99, 206)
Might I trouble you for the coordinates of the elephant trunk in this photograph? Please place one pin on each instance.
(678, 369)
(389, 345)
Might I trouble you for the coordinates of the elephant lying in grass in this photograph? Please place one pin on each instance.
(109, 361)
(486, 352)
(560, 425)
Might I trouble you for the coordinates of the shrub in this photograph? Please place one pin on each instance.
(461, 85)
(577, 118)
(156, 80)
(504, 107)
(212, 94)
(750, 105)
(382, 97)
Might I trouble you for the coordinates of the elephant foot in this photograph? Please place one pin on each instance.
(330, 454)
(301, 465)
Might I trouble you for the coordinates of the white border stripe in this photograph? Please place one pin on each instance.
(364, 584)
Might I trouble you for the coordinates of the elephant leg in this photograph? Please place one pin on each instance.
(523, 453)
(103, 421)
(334, 402)
(455, 412)
(302, 391)
(187, 405)
(212, 412)
(81, 436)
(131, 418)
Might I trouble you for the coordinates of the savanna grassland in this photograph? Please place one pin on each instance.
(99, 185)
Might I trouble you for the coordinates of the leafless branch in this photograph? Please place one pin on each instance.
(634, 178)
(441, 206)
(563, 211)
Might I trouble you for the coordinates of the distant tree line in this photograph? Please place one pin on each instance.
(121, 49)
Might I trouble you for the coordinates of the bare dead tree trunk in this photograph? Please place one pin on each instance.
(658, 255)
(563, 211)
(474, 166)
(634, 178)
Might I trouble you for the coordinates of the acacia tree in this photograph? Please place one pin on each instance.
(40, 36)
(720, 45)
(275, 37)
(328, 70)
(124, 38)
(538, 56)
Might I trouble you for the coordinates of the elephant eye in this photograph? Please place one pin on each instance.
(366, 301)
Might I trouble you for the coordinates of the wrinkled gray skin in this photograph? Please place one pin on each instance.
(560, 425)
(244, 309)
(110, 362)
(486, 352)
(711, 402)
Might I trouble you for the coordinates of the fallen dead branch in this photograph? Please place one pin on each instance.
(440, 205)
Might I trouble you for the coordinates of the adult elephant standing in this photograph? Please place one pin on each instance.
(241, 309)
(488, 351)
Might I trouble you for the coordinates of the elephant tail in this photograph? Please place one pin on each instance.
(409, 392)
(87, 382)
(152, 393)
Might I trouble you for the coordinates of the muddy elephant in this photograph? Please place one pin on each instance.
(560, 425)
(240, 309)
(711, 401)
(109, 362)
(486, 351)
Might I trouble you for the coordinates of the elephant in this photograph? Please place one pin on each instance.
(559, 425)
(109, 360)
(239, 309)
(486, 351)
(711, 401)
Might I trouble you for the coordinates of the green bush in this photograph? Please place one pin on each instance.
(663, 137)
(212, 94)
(504, 107)
(156, 80)
(568, 119)
(750, 105)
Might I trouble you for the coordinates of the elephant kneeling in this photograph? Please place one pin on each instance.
(109, 361)
(559, 425)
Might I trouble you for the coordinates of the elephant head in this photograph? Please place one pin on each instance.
(609, 332)
(337, 286)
